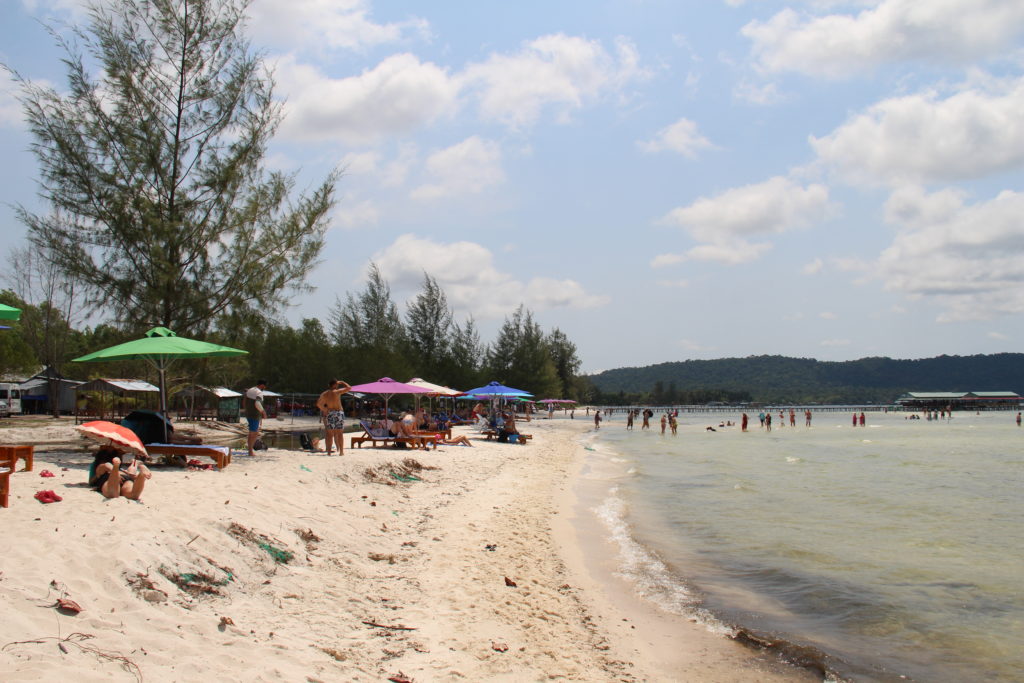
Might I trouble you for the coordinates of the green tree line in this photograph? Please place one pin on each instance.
(780, 379)
(365, 338)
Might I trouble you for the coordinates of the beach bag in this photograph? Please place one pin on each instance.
(259, 445)
(305, 441)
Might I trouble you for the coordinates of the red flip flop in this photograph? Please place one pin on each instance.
(47, 473)
(47, 497)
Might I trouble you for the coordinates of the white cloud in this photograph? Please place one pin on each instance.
(922, 138)
(763, 94)
(723, 224)
(554, 71)
(360, 163)
(469, 167)
(998, 336)
(11, 115)
(396, 97)
(471, 280)
(814, 267)
(682, 137)
(837, 45)
(319, 24)
(352, 212)
(662, 260)
(828, 315)
(967, 258)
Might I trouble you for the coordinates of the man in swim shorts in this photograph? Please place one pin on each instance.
(254, 412)
(329, 404)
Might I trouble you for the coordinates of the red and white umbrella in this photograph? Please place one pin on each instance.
(114, 435)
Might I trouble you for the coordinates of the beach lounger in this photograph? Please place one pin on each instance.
(376, 433)
(220, 454)
(5, 486)
(12, 453)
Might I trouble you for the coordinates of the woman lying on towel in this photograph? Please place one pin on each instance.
(108, 476)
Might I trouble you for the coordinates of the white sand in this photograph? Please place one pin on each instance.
(371, 558)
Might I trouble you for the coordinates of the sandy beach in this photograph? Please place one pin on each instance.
(464, 563)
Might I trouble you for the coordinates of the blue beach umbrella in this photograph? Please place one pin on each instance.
(497, 390)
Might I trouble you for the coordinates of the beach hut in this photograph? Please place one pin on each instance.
(105, 398)
(208, 403)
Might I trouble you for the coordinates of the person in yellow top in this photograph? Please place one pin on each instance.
(329, 404)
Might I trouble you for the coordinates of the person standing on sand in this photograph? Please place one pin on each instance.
(855, 419)
(629, 420)
(333, 415)
(807, 418)
(597, 419)
(664, 422)
(862, 419)
(792, 418)
(254, 413)
(1018, 419)
(743, 422)
(768, 422)
(760, 416)
(647, 419)
(673, 423)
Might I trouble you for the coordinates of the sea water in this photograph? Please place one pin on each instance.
(891, 551)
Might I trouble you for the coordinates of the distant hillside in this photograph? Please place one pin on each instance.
(782, 379)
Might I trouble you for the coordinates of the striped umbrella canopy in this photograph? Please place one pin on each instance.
(114, 435)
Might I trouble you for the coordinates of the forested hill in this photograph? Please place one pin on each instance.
(782, 379)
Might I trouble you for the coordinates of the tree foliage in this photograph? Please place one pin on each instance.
(778, 379)
(162, 208)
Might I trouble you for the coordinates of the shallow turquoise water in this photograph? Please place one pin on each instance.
(891, 550)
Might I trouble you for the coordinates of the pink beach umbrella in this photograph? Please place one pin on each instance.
(387, 388)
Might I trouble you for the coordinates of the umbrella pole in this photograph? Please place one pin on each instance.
(163, 399)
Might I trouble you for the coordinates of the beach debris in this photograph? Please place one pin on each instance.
(195, 583)
(47, 473)
(225, 622)
(303, 467)
(391, 474)
(400, 678)
(491, 546)
(380, 557)
(78, 639)
(66, 606)
(309, 538)
(499, 647)
(398, 627)
(510, 583)
(280, 555)
(337, 655)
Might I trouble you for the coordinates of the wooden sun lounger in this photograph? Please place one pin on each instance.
(377, 434)
(491, 434)
(220, 454)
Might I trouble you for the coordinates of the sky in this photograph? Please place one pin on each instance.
(662, 180)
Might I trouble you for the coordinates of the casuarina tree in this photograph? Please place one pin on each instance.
(162, 208)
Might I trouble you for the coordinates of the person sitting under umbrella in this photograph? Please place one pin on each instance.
(107, 476)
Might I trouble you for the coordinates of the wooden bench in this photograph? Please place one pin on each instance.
(220, 454)
(11, 454)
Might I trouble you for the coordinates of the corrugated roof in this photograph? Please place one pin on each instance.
(930, 395)
(105, 384)
(995, 394)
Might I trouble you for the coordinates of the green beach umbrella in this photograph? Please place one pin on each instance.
(160, 347)
(9, 312)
